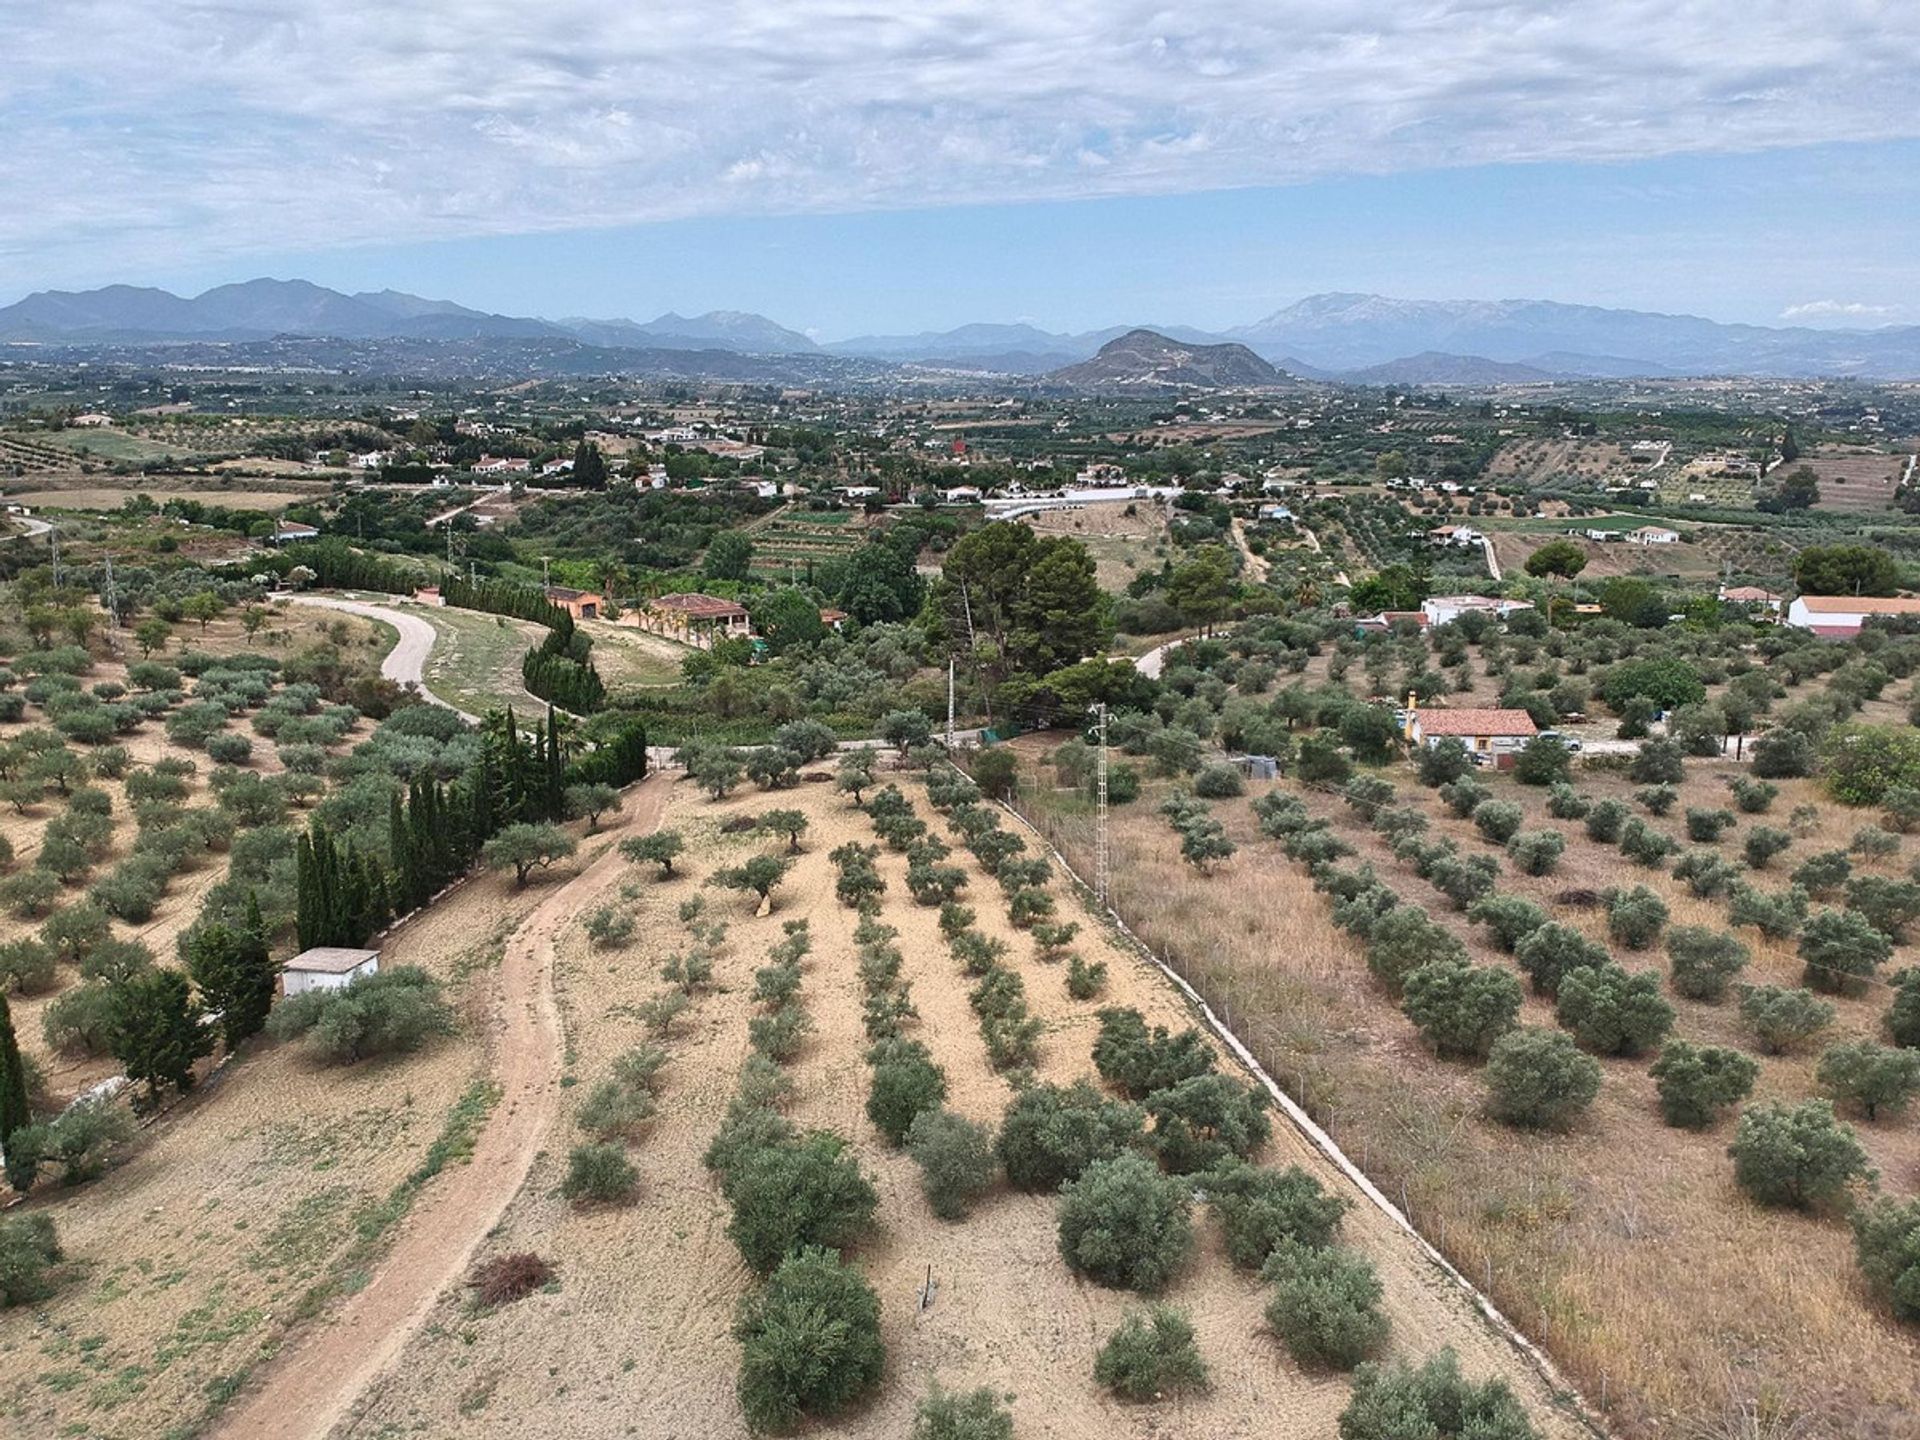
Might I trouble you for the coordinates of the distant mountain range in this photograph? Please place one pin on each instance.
(1365, 339)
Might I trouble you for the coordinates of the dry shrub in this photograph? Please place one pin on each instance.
(506, 1278)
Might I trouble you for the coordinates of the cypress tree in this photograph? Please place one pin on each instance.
(15, 1113)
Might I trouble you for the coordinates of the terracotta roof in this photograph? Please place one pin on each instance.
(1747, 592)
(698, 607)
(562, 592)
(1475, 722)
(1862, 604)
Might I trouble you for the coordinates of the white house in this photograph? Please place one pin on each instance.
(501, 465)
(1840, 617)
(1498, 734)
(326, 967)
(1444, 609)
(562, 466)
(372, 460)
(1654, 535)
(1463, 536)
(291, 532)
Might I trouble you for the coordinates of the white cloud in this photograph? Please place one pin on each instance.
(204, 129)
(1838, 310)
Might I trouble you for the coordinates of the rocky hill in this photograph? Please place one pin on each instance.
(1146, 359)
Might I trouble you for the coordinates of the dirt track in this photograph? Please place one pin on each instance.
(312, 1383)
(406, 663)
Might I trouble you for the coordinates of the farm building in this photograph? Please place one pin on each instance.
(1460, 535)
(289, 532)
(1840, 617)
(1654, 535)
(1753, 597)
(1497, 734)
(580, 604)
(327, 967)
(1444, 609)
(694, 619)
(1383, 622)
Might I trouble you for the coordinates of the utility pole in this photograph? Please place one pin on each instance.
(113, 600)
(54, 535)
(949, 705)
(545, 579)
(1102, 856)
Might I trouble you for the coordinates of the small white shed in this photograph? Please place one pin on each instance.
(327, 967)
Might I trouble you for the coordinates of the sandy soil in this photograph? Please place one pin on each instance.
(634, 1339)
(314, 1380)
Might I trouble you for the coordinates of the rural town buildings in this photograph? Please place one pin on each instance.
(1499, 735)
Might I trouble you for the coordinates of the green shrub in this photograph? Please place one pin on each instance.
(1781, 1019)
(955, 1156)
(1459, 1007)
(1762, 844)
(1870, 842)
(1707, 826)
(1696, 1082)
(1635, 917)
(1841, 951)
(1903, 1015)
(1465, 795)
(1498, 820)
(809, 1341)
(599, 1175)
(1776, 916)
(1325, 1306)
(1886, 1239)
(1644, 845)
(1554, 951)
(1753, 797)
(79, 1021)
(388, 1013)
(1795, 1155)
(1824, 874)
(1124, 1224)
(1539, 1079)
(1657, 799)
(1870, 1077)
(1536, 852)
(810, 1192)
(1052, 1133)
(1259, 1207)
(1703, 961)
(1205, 1120)
(1433, 1402)
(1890, 906)
(1613, 1013)
(29, 1249)
(1151, 1355)
(906, 1083)
(1085, 980)
(27, 966)
(1605, 821)
(966, 1415)
(1566, 803)
(1510, 917)
(1139, 1061)
(1404, 939)
(1219, 782)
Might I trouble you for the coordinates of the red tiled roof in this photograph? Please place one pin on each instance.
(699, 607)
(1475, 722)
(1862, 604)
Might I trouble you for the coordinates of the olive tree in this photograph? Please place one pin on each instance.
(1797, 1156)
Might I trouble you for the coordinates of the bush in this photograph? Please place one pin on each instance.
(1124, 1224)
(1890, 906)
(229, 748)
(1085, 980)
(1219, 782)
(29, 894)
(1795, 1155)
(506, 1278)
(955, 1156)
(1325, 1306)
(1461, 1008)
(1498, 820)
(810, 1192)
(1431, 1403)
(1703, 961)
(1903, 1015)
(1635, 917)
(1052, 1133)
(1872, 843)
(1781, 1019)
(1644, 845)
(1886, 1240)
(1657, 799)
(1465, 795)
(906, 1083)
(599, 1175)
(1841, 951)
(1139, 1061)
(26, 966)
(1871, 1077)
(1659, 762)
(1152, 1354)
(1536, 852)
(968, 1415)
(1612, 1012)
(1753, 797)
(388, 1013)
(1259, 1207)
(80, 1020)
(1203, 1121)
(810, 1341)
(1776, 916)
(1544, 760)
(1566, 803)
(1510, 917)
(1605, 821)
(1539, 1079)
(1696, 1082)
(1554, 951)
(29, 1249)
(1824, 874)
(1404, 939)
(1707, 826)
(1762, 844)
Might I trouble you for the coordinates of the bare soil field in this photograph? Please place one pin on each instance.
(1852, 481)
(1624, 1245)
(1606, 559)
(626, 656)
(90, 493)
(634, 1337)
(1539, 460)
(1122, 545)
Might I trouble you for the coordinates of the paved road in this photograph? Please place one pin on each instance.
(406, 663)
(31, 529)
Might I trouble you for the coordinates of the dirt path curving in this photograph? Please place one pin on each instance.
(313, 1383)
(406, 663)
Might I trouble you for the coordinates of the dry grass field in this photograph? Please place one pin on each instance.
(1854, 481)
(633, 1337)
(1623, 1245)
(1122, 545)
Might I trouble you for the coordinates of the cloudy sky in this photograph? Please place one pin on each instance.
(846, 166)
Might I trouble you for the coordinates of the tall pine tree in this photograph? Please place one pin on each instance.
(15, 1113)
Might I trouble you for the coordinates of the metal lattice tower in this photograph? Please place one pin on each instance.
(950, 705)
(1102, 857)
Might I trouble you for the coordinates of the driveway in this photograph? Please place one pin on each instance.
(406, 663)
